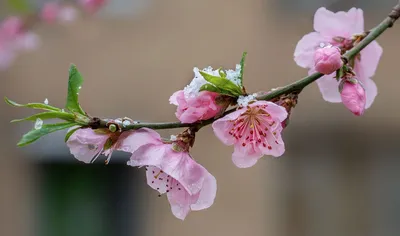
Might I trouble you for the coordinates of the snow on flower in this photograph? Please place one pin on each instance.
(337, 29)
(254, 130)
(195, 105)
(187, 184)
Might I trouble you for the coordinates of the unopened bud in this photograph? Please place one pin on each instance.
(113, 128)
(327, 60)
(353, 96)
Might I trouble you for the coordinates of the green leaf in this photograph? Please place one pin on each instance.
(20, 6)
(223, 84)
(48, 115)
(242, 67)
(221, 73)
(210, 87)
(32, 105)
(70, 133)
(74, 85)
(35, 134)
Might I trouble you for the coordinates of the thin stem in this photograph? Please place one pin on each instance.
(297, 86)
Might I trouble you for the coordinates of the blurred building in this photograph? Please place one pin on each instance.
(339, 175)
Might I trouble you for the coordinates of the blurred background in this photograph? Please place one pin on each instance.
(339, 176)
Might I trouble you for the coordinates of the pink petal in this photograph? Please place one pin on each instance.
(84, 144)
(180, 202)
(130, 141)
(305, 48)
(148, 155)
(244, 158)
(278, 112)
(277, 149)
(174, 97)
(180, 166)
(329, 87)
(156, 179)
(370, 57)
(370, 92)
(338, 24)
(223, 125)
(207, 194)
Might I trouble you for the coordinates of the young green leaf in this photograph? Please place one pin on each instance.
(74, 86)
(32, 105)
(209, 87)
(70, 133)
(48, 115)
(19, 6)
(242, 67)
(223, 84)
(35, 134)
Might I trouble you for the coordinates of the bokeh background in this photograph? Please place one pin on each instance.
(339, 176)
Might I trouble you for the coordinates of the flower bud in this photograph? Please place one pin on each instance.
(327, 60)
(50, 12)
(353, 95)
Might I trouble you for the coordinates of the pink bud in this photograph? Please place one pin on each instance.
(353, 96)
(50, 12)
(327, 60)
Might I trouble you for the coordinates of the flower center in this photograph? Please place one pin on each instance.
(255, 127)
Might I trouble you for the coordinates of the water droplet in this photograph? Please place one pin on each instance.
(46, 101)
(80, 87)
(126, 123)
(38, 123)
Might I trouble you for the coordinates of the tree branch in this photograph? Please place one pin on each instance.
(297, 86)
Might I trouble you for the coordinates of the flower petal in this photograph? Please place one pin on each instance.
(180, 202)
(130, 141)
(370, 92)
(207, 194)
(276, 111)
(329, 87)
(305, 49)
(148, 155)
(370, 57)
(223, 125)
(340, 23)
(243, 158)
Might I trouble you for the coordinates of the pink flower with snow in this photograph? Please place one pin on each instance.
(87, 144)
(92, 6)
(353, 96)
(50, 12)
(254, 130)
(327, 60)
(187, 184)
(337, 29)
(192, 109)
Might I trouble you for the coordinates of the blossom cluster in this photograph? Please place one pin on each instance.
(253, 126)
(16, 35)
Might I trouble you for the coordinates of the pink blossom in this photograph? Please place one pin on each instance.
(254, 131)
(353, 96)
(50, 12)
(192, 109)
(327, 60)
(92, 6)
(27, 41)
(67, 14)
(87, 144)
(187, 184)
(7, 56)
(11, 27)
(337, 29)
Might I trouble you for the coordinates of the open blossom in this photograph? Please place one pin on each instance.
(327, 60)
(353, 96)
(187, 184)
(254, 130)
(192, 109)
(337, 29)
(87, 144)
